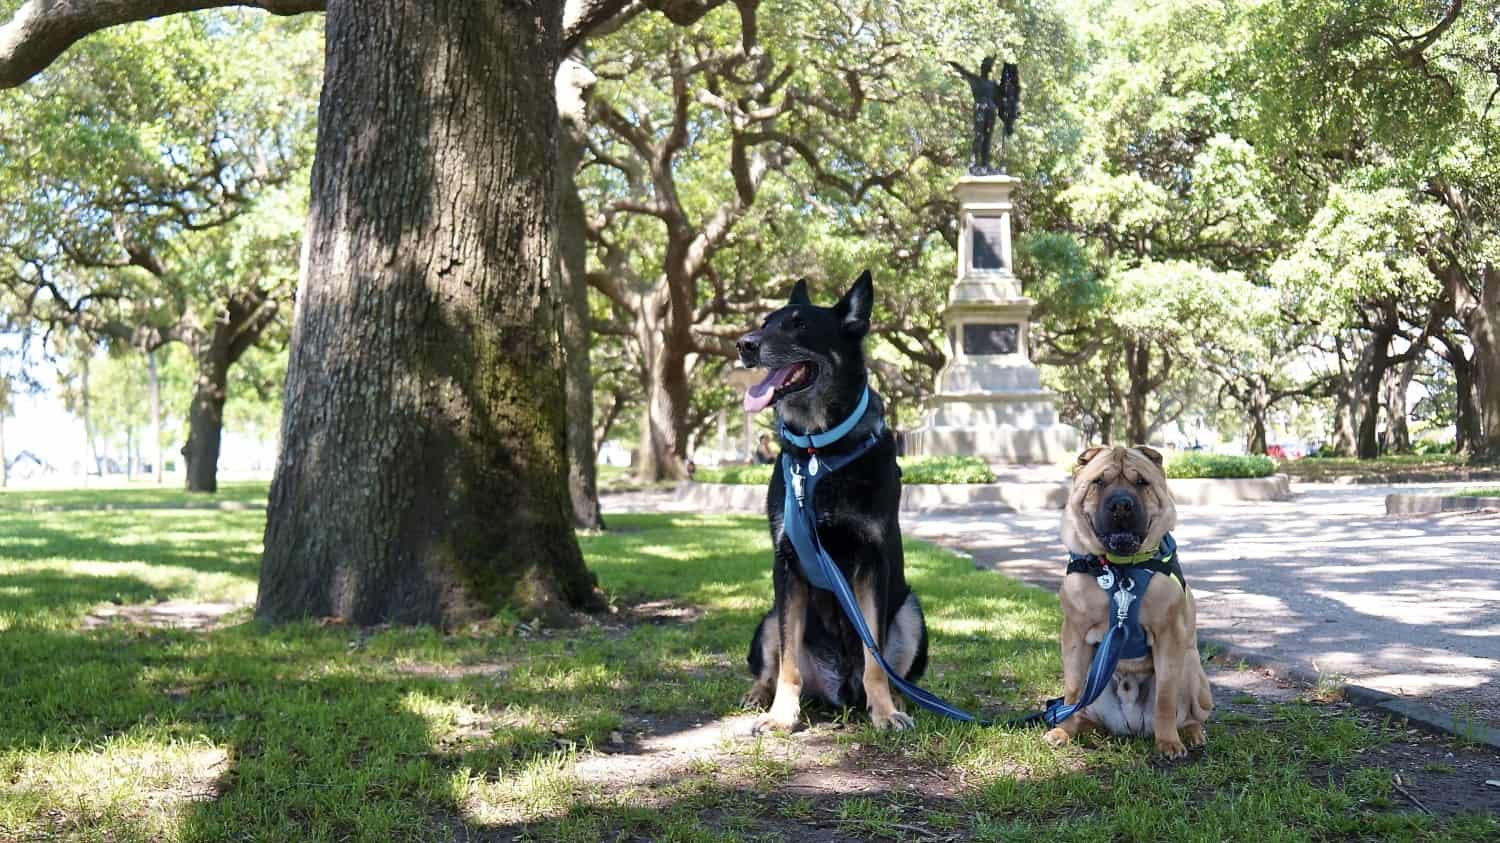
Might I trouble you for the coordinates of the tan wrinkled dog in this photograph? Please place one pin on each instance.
(1120, 503)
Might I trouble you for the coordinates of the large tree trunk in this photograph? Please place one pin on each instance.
(1138, 392)
(664, 419)
(206, 418)
(1482, 323)
(1466, 436)
(423, 468)
(1258, 408)
(1398, 434)
(573, 82)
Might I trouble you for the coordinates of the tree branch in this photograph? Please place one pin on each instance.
(42, 30)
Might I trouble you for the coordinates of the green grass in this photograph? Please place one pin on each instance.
(316, 733)
(1491, 492)
(913, 470)
(1193, 464)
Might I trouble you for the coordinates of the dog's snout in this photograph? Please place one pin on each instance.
(1120, 507)
(749, 348)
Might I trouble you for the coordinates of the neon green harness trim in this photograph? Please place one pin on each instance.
(1134, 558)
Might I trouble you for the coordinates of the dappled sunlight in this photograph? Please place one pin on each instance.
(144, 779)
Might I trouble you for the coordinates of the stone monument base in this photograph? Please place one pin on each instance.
(1003, 444)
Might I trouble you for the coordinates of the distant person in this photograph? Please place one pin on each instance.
(763, 453)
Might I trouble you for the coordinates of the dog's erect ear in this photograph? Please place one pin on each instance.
(1083, 458)
(853, 310)
(799, 293)
(1150, 453)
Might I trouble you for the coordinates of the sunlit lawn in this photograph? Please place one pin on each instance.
(329, 733)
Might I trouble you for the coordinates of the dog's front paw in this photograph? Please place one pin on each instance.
(1171, 748)
(893, 720)
(774, 722)
(759, 696)
(1056, 736)
(1194, 735)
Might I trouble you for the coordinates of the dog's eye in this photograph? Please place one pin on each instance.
(794, 322)
(1141, 481)
(1098, 481)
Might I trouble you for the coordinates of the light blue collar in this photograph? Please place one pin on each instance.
(813, 441)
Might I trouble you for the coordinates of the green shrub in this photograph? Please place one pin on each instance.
(945, 470)
(1429, 447)
(1196, 464)
(737, 475)
(913, 470)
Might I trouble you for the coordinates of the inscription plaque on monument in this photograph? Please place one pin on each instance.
(986, 234)
(982, 338)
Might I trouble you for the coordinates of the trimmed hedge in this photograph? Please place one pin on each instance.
(1194, 464)
(913, 470)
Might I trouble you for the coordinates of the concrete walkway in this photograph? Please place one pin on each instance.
(1326, 582)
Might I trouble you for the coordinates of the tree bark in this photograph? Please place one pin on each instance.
(573, 83)
(1466, 410)
(4, 458)
(1481, 319)
(206, 419)
(1398, 434)
(423, 469)
(1258, 407)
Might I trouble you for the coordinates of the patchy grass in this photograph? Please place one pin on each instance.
(1492, 492)
(1393, 466)
(960, 470)
(316, 733)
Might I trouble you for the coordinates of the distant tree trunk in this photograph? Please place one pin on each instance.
(4, 459)
(573, 82)
(664, 429)
(154, 386)
(206, 419)
(423, 468)
(1398, 438)
(1466, 410)
(1143, 382)
(88, 421)
(1258, 407)
(1481, 317)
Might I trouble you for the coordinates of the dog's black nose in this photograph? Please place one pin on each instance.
(749, 346)
(1120, 508)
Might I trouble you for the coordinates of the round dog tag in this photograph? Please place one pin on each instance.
(1106, 579)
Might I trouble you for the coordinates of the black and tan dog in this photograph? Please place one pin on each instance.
(805, 646)
(1120, 506)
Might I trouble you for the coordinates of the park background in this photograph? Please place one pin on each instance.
(1249, 226)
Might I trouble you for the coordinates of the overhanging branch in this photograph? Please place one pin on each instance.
(42, 30)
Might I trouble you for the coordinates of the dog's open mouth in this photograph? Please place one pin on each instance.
(778, 383)
(1123, 543)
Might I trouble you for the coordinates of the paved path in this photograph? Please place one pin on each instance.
(1409, 605)
(1327, 582)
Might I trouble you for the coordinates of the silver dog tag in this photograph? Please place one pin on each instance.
(812, 465)
(1106, 579)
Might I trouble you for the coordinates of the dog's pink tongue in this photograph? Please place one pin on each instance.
(759, 396)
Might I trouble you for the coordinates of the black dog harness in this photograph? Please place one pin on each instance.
(799, 522)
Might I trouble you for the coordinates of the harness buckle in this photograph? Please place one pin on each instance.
(1123, 598)
(1105, 578)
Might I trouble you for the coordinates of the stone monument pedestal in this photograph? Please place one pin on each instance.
(989, 401)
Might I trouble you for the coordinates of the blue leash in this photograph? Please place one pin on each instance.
(1126, 585)
(799, 522)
